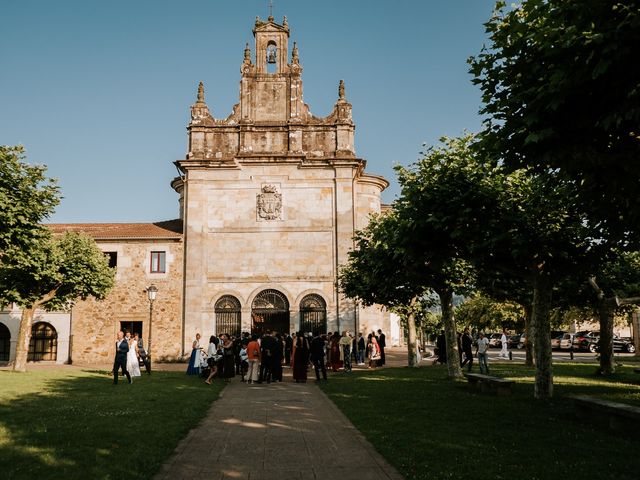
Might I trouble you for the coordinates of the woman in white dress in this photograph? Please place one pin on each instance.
(133, 364)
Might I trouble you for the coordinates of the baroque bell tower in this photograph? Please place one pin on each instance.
(271, 89)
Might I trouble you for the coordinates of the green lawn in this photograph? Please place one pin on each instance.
(66, 423)
(431, 428)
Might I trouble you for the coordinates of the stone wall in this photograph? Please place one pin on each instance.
(96, 323)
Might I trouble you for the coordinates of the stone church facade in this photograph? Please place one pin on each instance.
(270, 198)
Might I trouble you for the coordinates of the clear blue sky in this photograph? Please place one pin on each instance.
(99, 91)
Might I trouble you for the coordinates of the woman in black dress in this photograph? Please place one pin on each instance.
(300, 358)
(228, 358)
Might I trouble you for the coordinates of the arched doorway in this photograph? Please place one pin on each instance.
(5, 343)
(228, 319)
(313, 314)
(270, 311)
(43, 345)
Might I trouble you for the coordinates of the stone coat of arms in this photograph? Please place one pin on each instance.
(269, 203)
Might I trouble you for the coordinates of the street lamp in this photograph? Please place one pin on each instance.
(152, 291)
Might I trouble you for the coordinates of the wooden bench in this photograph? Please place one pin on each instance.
(489, 384)
(620, 417)
(636, 370)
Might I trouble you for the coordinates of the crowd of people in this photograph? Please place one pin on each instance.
(466, 341)
(260, 359)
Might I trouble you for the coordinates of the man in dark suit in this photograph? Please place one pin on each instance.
(122, 348)
(268, 345)
(382, 342)
(317, 356)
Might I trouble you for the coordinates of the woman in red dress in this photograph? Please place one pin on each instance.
(336, 363)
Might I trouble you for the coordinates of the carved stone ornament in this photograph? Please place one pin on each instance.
(269, 203)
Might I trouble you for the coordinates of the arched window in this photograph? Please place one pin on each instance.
(313, 314)
(270, 312)
(228, 316)
(43, 345)
(5, 343)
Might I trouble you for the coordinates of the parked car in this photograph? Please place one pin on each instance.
(555, 341)
(566, 341)
(587, 340)
(556, 335)
(522, 341)
(494, 340)
(514, 341)
(582, 341)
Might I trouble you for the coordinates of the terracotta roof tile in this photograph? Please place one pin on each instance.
(170, 229)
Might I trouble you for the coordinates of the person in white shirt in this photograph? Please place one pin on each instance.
(504, 339)
(482, 345)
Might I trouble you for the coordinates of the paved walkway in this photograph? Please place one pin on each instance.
(277, 431)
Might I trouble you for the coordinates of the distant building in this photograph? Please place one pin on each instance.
(270, 198)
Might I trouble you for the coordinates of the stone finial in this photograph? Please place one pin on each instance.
(200, 93)
(285, 24)
(294, 53)
(341, 90)
(247, 53)
(271, 19)
(200, 114)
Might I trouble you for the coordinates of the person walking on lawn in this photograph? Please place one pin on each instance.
(120, 362)
(482, 345)
(382, 343)
(504, 340)
(467, 348)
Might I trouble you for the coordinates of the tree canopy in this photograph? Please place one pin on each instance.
(560, 87)
(27, 197)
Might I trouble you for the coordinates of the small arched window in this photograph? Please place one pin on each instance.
(313, 314)
(43, 345)
(228, 316)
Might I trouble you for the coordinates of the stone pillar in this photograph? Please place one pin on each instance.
(344, 231)
(195, 258)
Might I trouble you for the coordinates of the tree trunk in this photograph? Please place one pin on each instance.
(528, 335)
(542, 336)
(450, 333)
(411, 328)
(24, 335)
(605, 314)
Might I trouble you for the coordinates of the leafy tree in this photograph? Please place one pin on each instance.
(57, 272)
(615, 287)
(560, 85)
(485, 313)
(381, 271)
(38, 270)
(26, 198)
(520, 224)
(539, 235)
(438, 197)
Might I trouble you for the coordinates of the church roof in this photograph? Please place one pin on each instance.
(167, 230)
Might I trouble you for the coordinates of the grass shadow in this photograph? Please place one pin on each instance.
(431, 428)
(76, 424)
